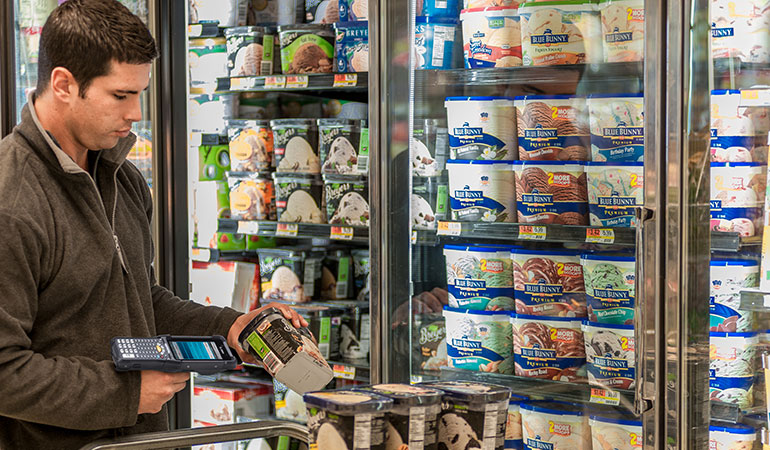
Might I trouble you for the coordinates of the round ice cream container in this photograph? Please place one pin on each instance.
(361, 270)
(288, 404)
(474, 414)
(738, 134)
(439, 8)
(481, 128)
(548, 283)
(228, 13)
(615, 433)
(732, 437)
(623, 30)
(431, 342)
(513, 424)
(323, 323)
(479, 340)
(209, 113)
(615, 193)
(610, 355)
(413, 419)
(429, 202)
(339, 142)
(554, 425)
(354, 10)
(548, 347)
(481, 191)
(479, 278)
(491, 37)
(346, 419)
(429, 147)
(207, 59)
(739, 30)
(617, 127)
(346, 200)
(306, 48)
(296, 145)
(551, 192)
(337, 276)
(282, 273)
(728, 278)
(289, 356)
(732, 368)
(610, 288)
(354, 329)
(252, 196)
(565, 32)
(322, 11)
(250, 51)
(351, 46)
(251, 145)
(552, 127)
(434, 42)
(737, 197)
(298, 198)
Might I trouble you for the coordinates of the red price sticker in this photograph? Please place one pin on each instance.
(297, 81)
(600, 236)
(532, 232)
(605, 397)
(449, 228)
(342, 233)
(286, 229)
(275, 82)
(345, 80)
(344, 372)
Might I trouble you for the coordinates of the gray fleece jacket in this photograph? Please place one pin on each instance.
(75, 271)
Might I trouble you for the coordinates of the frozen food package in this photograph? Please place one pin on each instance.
(351, 48)
(617, 127)
(282, 272)
(429, 202)
(429, 148)
(339, 142)
(439, 8)
(251, 145)
(560, 32)
(298, 198)
(491, 37)
(513, 438)
(552, 127)
(728, 277)
(288, 404)
(431, 342)
(732, 437)
(347, 419)
(554, 425)
(252, 196)
(738, 134)
(250, 51)
(354, 329)
(361, 269)
(323, 323)
(307, 48)
(732, 367)
(322, 11)
(610, 282)
(354, 10)
(479, 340)
(551, 348)
(737, 197)
(296, 145)
(207, 59)
(227, 13)
(482, 191)
(740, 30)
(271, 12)
(434, 42)
(615, 193)
(479, 277)
(346, 200)
(337, 275)
(548, 283)
(551, 192)
(209, 113)
(618, 433)
(481, 128)
(610, 355)
(623, 30)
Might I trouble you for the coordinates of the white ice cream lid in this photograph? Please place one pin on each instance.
(406, 395)
(469, 391)
(348, 402)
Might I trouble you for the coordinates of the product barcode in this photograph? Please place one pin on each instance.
(324, 349)
(266, 68)
(272, 363)
(363, 163)
(342, 290)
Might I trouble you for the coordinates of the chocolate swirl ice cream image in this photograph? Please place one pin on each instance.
(548, 347)
(552, 128)
(549, 283)
(550, 192)
(306, 48)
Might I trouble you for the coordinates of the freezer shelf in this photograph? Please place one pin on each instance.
(730, 413)
(358, 235)
(309, 82)
(732, 242)
(351, 370)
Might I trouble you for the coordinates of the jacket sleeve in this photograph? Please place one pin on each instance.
(69, 392)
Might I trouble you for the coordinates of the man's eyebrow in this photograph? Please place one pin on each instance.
(125, 91)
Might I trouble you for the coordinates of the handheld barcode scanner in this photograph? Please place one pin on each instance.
(205, 355)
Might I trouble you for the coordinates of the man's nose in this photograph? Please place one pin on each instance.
(134, 113)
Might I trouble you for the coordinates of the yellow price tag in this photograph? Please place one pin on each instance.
(286, 229)
(342, 233)
(605, 397)
(345, 80)
(532, 232)
(600, 236)
(449, 228)
(297, 81)
(275, 82)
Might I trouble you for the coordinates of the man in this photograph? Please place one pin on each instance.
(76, 248)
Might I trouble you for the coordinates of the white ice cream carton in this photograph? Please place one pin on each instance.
(491, 37)
(623, 30)
(732, 367)
(741, 29)
(554, 425)
(560, 32)
(728, 278)
(482, 191)
(732, 437)
(481, 128)
(620, 433)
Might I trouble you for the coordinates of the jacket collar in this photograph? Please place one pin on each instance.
(33, 130)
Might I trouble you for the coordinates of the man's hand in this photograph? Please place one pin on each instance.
(158, 388)
(242, 321)
(432, 301)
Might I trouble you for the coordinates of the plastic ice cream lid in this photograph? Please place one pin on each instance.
(611, 326)
(292, 122)
(337, 122)
(736, 164)
(524, 251)
(725, 92)
(480, 162)
(550, 163)
(617, 421)
(484, 249)
(471, 391)
(475, 312)
(291, 177)
(438, 20)
(626, 95)
(517, 399)
(546, 97)
(512, 9)
(727, 334)
(553, 407)
(475, 99)
(733, 429)
(248, 31)
(351, 179)
(733, 262)
(406, 395)
(600, 257)
(615, 164)
(348, 402)
(247, 123)
(304, 27)
(256, 176)
(546, 318)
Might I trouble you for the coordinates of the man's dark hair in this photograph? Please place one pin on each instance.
(85, 36)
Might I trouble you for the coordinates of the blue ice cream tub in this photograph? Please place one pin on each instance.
(479, 277)
(727, 278)
(351, 47)
(617, 127)
(481, 341)
(434, 42)
(732, 367)
(440, 8)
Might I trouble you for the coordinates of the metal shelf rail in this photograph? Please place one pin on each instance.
(206, 435)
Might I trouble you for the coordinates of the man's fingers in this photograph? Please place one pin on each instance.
(441, 294)
(431, 301)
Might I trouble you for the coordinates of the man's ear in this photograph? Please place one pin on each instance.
(63, 85)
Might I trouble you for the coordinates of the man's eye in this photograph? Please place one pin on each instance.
(120, 97)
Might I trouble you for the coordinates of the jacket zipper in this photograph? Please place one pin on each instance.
(114, 208)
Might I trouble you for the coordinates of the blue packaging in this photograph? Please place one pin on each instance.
(617, 127)
(434, 42)
(440, 8)
(354, 10)
(351, 47)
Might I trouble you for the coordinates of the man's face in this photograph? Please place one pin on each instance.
(111, 105)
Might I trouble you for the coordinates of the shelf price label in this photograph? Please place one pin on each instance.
(201, 254)
(344, 372)
(275, 82)
(605, 397)
(449, 228)
(342, 233)
(532, 232)
(248, 227)
(297, 81)
(414, 237)
(242, 84)
(194, 30)
(286, 229)
(345, 80)
(600, 236)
